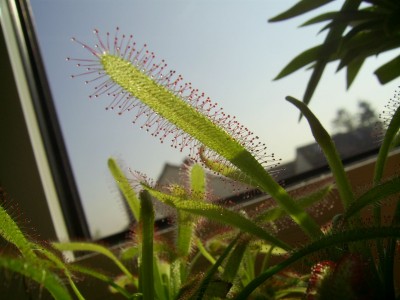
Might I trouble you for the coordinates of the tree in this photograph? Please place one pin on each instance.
(360, 29)
(347, 122)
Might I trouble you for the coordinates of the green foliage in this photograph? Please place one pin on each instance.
(360, 29)
(248, 260)
(242, 256)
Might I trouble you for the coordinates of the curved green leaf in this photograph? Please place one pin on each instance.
(324, 140)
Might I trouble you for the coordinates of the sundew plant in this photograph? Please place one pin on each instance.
(350, 253)
(171, 108)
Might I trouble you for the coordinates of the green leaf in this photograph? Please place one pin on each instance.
(389, 71)
(325, 142)
(299, 8)
(352, 70)
(219, 214)
(305, 58)
(125, 187)
(38, 273)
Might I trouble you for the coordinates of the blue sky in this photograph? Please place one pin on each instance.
(227, 49)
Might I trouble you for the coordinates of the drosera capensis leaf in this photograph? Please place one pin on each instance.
(219, 214)
(11, 232)
(171, 108)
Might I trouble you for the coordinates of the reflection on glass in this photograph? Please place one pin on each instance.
(226, 49)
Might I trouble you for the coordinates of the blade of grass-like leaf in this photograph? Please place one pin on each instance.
(373, 196)
(355, 235)
(125, 188)
(36, 272)
(325, 142)
(91, 247)
(301, 7)
(388, 71)
(146, 279)
(219, 214)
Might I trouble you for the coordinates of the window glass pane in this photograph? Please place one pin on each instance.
(225, 48)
